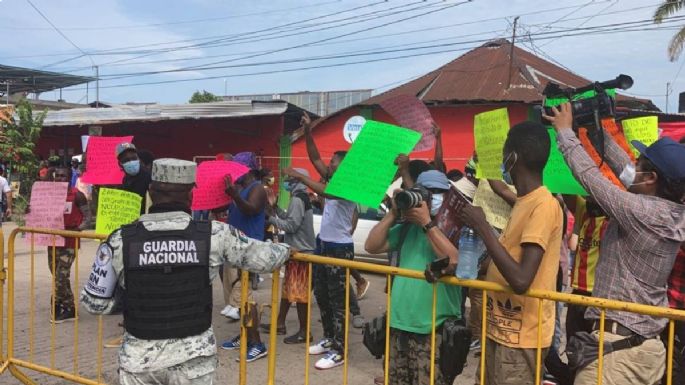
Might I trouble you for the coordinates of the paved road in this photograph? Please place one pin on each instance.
(54, 346)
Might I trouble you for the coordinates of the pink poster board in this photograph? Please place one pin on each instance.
(411, 113)
(102, 167)
(209, 193)
(48, 203)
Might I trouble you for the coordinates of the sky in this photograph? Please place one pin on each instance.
(277, 46)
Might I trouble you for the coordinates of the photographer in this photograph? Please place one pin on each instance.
(420, 243)
(638, 249)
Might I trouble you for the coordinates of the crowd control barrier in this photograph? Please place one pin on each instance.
(20, 355)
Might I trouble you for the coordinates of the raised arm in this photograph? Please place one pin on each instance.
(312, 150)
(439, 164)
(255, 202)
(402, 163)
(317, 187)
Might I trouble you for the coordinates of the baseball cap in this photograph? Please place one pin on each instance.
(667, 156)
(433, 179)
(125, 146)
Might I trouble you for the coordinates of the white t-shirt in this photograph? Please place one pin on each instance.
(336, 223)
(4, 185)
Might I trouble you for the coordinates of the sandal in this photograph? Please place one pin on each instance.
(266, 328)
(297, 338)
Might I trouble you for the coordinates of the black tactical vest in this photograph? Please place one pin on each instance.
(168, 293)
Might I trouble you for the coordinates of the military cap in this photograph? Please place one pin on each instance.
(170, 170)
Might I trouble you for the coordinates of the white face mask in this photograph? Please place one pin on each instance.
(436, 202)
(628, 175)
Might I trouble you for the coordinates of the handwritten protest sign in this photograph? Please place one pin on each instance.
(557, 176)
(368, 168)
(490, 132)
(411, 113)
(47, 204)
(102, 166)
(209, 193)
(497, 211)
(115, 209)
(644, 130)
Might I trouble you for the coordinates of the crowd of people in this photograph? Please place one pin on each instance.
(622, 243)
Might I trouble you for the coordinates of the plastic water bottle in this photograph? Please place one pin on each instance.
(471, 247)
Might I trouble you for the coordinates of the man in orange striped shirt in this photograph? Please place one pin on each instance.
(592, 222)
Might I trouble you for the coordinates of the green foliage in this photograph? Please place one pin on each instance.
(19, 203)
(204, 97)
(665, 10)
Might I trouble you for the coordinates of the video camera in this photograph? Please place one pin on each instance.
(588, 112)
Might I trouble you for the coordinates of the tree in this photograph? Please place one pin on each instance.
(204, 97)
(666, 9)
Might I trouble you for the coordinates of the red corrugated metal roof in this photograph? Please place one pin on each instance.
(482, 75)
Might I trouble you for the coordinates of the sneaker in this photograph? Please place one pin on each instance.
(362, 288)
(321, 347)
(266, 328)
(232, 344)
(233, 313)
(358, 321)
(254, 352)
(475, 346)
(297, 338)
(64, 315)
(227, 309)
(332, 360)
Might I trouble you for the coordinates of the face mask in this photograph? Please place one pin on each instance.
(436, 202)
(288, 186)
(270, 181)
(628, 175)
(506, 174)
(132, 167)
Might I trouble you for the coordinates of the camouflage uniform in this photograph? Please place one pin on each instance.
(190, 360)
(64, 258)
(410, 357)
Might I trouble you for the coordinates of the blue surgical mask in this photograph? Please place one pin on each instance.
(506, 175)
(132, 167)
(436, 202)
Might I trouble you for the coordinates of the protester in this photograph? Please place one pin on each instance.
(6, 190)
(268, 181)
(526, 256)
(454, 175)
(146, 158)
(336, 242)
(43, 170)
(178, 346)
(247, 214)
(77, 217)
(136, 179)
(298, 224)
(639, 247)
(419, 243)
(75, 173)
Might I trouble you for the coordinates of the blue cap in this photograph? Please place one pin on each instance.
(667, 156)
(433, 179)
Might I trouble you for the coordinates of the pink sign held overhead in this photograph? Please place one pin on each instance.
(209, 193)
(411, 113)
(48, 203)
(102, 167)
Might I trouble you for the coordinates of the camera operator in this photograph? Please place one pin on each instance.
(638, 250)
(420, 243)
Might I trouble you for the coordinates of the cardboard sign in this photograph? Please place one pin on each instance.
(209, 193)
(48, 204)
(644, 130)
(102, 167)
(490, 132)
(447, 218)
(497, 211)
(557, 176)
(115, 209)
(411, 113)
(369, 167)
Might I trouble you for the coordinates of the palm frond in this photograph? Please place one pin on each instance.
(668, 8)
(676, 45)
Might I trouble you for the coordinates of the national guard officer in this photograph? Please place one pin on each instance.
(169, 262)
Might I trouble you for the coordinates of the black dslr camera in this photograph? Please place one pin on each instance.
(589, 112)
(412, 198)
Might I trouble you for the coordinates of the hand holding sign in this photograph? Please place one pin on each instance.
(212, 187)
(411, 113)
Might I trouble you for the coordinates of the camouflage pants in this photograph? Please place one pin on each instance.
(410, 358)
(329, 289)
(64, 258)
(198, 371)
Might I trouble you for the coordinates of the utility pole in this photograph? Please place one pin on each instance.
(668, 91)
(511, 53)
(97, 86)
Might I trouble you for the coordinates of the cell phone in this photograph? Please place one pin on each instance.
(439, 264)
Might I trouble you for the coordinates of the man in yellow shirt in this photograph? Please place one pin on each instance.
(526, 256)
